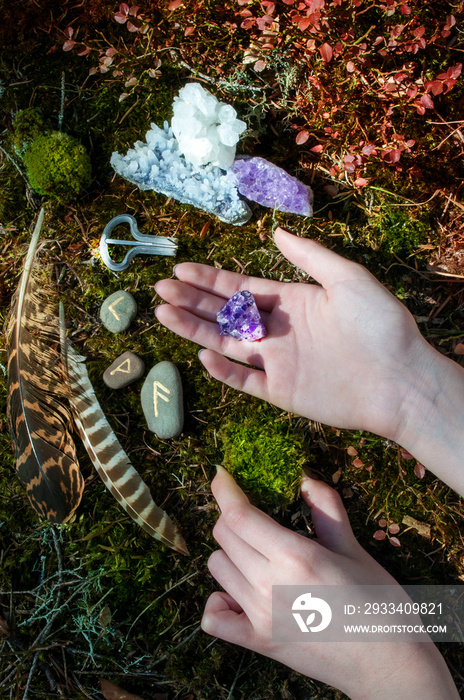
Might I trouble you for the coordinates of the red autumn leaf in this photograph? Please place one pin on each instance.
(68, 45)
(269, 5)
(303, 24)
(454, 71)
(379, 535)
(357, 463)
(133, 27)
(260, 65)
(406, 455)
(448, 84)
(317, 149)
(434, 86)
(69, 31)
(419, 470)
(392, 156)
(450, 22)
(302, 137)
(174, 4)
(120, 17)
(427, 102)
(315, 5)
(189, 30)
(361, 182)
(395, 542)
(405, 10)
(263, 22)
(369, 150)
(134, 10)
(326, 52)
(352, 451)
(124, 7)
(350, 67)
(247, 23)
(85, 51)
(419, 31)
(394, 529)
(382, 522)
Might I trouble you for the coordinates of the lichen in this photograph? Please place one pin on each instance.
(28, 125)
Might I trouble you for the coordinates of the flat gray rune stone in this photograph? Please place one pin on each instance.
(162, 401)
(126, 368)
(118, 311)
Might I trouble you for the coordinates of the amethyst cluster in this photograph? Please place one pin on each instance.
(240, 318)
(263, 182)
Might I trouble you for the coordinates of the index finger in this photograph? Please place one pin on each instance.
(249, 523)
(224, 283)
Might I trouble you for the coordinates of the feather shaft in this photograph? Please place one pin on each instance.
(37, 410)
(111, 461)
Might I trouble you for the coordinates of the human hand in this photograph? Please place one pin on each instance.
(344, 353)
(257, 553)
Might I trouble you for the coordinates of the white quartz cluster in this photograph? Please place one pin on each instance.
(158, 164)
(207, 130)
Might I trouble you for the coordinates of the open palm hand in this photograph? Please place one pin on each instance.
(337, 352)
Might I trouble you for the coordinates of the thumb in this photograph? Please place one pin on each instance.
(325, 266)
(329, 516)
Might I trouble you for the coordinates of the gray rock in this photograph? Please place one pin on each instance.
(162, 402)
(126, 368)
(118, 311)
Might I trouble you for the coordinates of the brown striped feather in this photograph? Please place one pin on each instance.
(37, 408)
(111, 461)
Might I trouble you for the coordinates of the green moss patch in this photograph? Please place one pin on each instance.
(57, 165)
(265, 456)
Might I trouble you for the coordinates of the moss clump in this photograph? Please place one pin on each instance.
(401, 233)
(57, 165)
(265, 456)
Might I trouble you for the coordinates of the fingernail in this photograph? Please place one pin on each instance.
(305, 483)
(174, 269)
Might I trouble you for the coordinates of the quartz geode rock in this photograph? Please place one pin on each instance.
(240, 318)
(261, 181)
(158, 165)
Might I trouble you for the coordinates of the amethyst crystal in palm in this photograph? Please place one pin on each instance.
(240, 318)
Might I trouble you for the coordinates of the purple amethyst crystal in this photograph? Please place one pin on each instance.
(240, 318)
(269, 185)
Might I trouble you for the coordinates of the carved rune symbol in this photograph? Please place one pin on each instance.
(111, 308)
(156, 393)
(124, 367)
